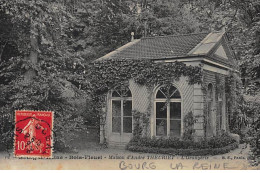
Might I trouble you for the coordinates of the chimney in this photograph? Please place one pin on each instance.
(223, 29)
(132, 36)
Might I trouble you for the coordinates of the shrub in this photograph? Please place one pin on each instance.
(6, 132)
(220, 141)
(212, 146)
(189, 121)
(254, 142)
(189, 151)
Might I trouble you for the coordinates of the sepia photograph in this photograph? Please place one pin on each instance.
(129, 84)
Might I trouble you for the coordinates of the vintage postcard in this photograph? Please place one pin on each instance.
(130, 85)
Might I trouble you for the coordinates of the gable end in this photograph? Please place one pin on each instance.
(221, 52)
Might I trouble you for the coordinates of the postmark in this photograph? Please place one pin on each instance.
(33, 135)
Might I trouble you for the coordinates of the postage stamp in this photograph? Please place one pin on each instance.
(33, 133)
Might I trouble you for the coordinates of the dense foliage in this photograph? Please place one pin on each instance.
(189, 131)
(141, 123)
(212, 146)
(107, 74)
(185, 152)
(254, 141)
(37, 62)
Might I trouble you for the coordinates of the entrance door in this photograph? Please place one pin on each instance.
(122, 120)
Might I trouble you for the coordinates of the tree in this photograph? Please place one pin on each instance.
(43, 63)
(240, 18)
(111, 25)
(157, 18)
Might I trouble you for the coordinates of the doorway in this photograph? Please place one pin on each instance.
(121, 116)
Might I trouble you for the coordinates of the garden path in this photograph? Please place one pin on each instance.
(112, 158)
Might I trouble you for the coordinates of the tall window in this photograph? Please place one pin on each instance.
(220, 108)
(168, 111)
(210, 99)
(121, 111)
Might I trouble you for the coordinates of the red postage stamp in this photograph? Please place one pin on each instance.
(33, 133)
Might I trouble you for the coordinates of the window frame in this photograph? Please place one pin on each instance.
(168, 118)
(121, 99)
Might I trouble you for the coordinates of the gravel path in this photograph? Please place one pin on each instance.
(96, 157)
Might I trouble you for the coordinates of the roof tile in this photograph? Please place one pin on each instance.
(160, 47)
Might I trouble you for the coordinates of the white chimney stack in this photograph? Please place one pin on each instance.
(132, 36)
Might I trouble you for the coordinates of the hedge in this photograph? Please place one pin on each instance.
(184, 152)
(176, 146)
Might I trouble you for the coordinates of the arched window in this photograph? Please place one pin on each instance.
(168, 111)
(121, 110)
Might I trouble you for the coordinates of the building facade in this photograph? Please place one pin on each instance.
(167, 106)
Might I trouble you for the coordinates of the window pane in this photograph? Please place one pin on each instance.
(160, 94)
(116, 124)
(128, 94)
(175, 110)
(209, 126)
(115, 94)
(168, 92)
(116, 108)
(161, 127)
(164, 89)
(220, 108)
(172, 89)
(161, 110)
(220, 97)
(176, 95)
(116, 113)
(127, 108)
(220, 115)
(127, 125)
(210, 91)
(175, 128)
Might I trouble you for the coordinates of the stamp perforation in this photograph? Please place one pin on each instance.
(40, 124)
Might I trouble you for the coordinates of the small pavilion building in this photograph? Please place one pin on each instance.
(206, 101)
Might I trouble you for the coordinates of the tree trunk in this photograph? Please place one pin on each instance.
(2, 50)
(33, 56)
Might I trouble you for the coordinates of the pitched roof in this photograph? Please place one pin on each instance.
(158, 47)
(206, 45)
(174, 47)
